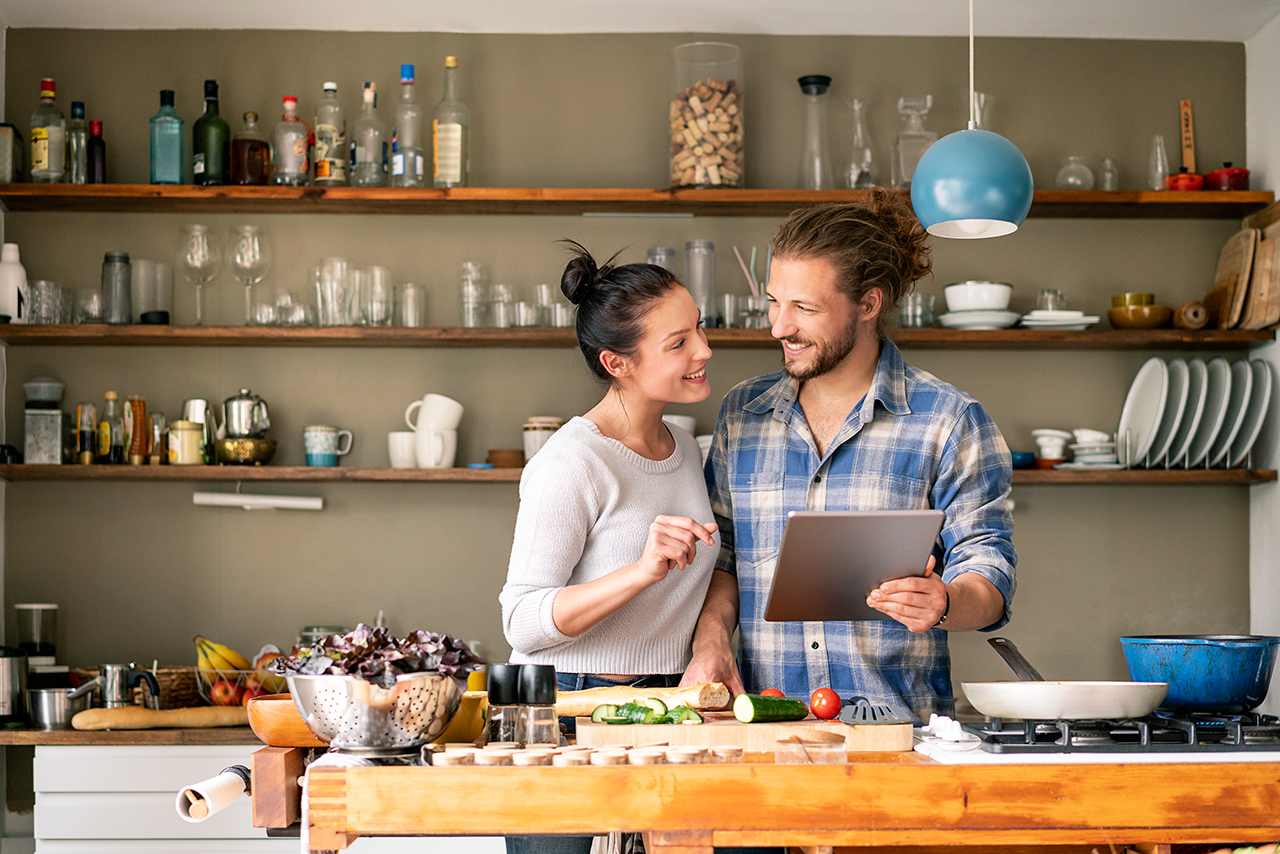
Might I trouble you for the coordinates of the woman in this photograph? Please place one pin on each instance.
(606, 576)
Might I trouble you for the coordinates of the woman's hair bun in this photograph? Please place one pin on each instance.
(581, 273)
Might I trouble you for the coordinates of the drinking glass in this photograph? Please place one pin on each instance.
(1051, 299)
(199, 260)
(333, 291)
(89, 306)
(377, 297)
(249, 255)
(916, 311)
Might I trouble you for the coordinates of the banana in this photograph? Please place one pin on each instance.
(221, 656)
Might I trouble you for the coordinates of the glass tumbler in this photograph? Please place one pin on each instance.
(916, 311)
(411, 305)
(1050, 299)
(89, 305)
(46, 301)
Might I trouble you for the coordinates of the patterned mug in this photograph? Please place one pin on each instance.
(323, 444)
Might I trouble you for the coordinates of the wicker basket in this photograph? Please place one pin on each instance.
(177, 686)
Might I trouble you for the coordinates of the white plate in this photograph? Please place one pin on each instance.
(1089, 466)
(1094, 448)
(1255, 414)
(1060, 321)
(1175, 404)
(1065, 327)
(978, 319)
(1045, 314)
(1191, 415)
(1217, 390)
(1237, 404)
(1143, 407)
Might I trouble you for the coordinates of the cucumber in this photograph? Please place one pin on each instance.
(659, 707)
(689, 716)
(615, 719)
(603, 711)
(752, 708)
(641, 715)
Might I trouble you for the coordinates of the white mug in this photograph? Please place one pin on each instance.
(687, 423)
(402, 447)
(436, 448)
(443, 412)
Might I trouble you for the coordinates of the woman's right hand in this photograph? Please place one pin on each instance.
(672, 544)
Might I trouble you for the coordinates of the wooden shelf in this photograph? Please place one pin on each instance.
(341, 474)
(456, 336)
(154, 198)
(208, 735)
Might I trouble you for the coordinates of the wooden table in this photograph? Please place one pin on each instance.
(903, 802)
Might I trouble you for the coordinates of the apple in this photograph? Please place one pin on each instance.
(271, 682)
(252, 688)
(224, 693)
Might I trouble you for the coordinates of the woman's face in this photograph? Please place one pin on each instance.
(670, 362)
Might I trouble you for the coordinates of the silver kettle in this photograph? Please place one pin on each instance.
(245, 416)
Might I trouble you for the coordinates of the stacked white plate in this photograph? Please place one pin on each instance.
(1189, 414)
(1044, 319)
(978, 319)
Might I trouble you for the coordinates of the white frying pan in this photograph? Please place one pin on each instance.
(1035, 699)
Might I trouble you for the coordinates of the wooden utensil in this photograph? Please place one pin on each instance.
(1259, 291)
(274, 718)
(1225, 299)
(1190, 315)
(1188, 134)
(722, 728)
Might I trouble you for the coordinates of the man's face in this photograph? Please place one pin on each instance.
(816, 323)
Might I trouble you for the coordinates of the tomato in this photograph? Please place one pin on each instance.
(772, 692)
(825, 704)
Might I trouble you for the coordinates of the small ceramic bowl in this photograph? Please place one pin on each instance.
(1140, 316)
(1023, 459)
(977, 296)
(1049, 462)
(44, 389)
(1132, 298)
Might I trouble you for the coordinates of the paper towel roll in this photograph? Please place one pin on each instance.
(198, 802)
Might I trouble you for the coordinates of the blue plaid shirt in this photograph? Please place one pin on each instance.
(914, 442)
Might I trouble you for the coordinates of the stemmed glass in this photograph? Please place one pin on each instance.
(249, 255)
(199, 260)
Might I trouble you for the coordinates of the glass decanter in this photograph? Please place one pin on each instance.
(913, 140)
(859, 170)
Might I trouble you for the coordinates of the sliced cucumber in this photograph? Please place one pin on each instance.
(752, 708)
(659, 707)
(615, 719)
(605, 710)
(689, 716)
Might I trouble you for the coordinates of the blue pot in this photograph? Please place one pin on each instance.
(1206, 673)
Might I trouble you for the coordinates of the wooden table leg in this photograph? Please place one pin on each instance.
(678, 842)
(815, 849)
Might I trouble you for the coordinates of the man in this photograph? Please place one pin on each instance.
(847, 425)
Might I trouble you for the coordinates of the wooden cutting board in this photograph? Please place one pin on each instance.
(1225, 300)
(1266, 307)
(722, 728)
(1256, 302)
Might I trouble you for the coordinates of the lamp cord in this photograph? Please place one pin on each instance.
(973, 118)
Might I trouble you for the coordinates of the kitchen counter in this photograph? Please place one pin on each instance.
(210, 735)
(874, 800)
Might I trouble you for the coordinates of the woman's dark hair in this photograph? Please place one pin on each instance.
(612, 303)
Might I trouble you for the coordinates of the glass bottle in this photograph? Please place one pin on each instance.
(913, 140)
(1158, 165)
(369, 143)
(48, 138)
(250, 154)
(166, 142)
(700, 278)
(211, 142)
(815, 157)
(1074, 175)
(406, 136)
(537, 722)
(331, 140)
(504, 696)
(111, 432)
(97, 154)
(451, 134)
(77, 146)
(1109, 178)
(289, 147)
(859, 171)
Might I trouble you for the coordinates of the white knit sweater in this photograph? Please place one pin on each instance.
(586, 504)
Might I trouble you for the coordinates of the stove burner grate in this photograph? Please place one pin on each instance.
(1165, 732)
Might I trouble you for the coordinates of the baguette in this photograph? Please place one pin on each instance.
(136, 717)
(708, 695)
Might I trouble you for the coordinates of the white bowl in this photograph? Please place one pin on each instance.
(977, 296)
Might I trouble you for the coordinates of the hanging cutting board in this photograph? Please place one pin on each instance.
(1225, 300)
(723, 729)
(1261, 276)
(1268, 312)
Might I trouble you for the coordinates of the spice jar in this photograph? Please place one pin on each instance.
(503, 685)
(186, 440)
(537, 723)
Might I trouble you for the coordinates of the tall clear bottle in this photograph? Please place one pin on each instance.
(859, 170)
(406, 136)
(913, 140)
(166, 142)
(369, 143)
(289, 145)
(815, 155)
(211, 142)
(331, 140)
(77, 145)
(451, 134)
(48, 138)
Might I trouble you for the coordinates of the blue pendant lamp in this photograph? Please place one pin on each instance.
(972, 183)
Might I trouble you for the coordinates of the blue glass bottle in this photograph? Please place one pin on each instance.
(166, 142)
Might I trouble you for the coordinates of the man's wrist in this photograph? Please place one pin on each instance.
(946, 610)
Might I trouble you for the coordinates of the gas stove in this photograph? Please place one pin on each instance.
(1159, 737)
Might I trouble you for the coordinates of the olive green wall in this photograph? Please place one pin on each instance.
(138, 569)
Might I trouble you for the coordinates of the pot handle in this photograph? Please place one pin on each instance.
(1014, 659)
(85, 688)
(137, 676)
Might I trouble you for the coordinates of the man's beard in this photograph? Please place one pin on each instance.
(826, 356)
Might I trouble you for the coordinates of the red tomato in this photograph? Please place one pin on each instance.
(825, 704)
(772, 692)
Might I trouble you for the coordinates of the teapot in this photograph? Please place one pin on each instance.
(244, 416)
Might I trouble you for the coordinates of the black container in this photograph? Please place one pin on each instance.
(537, 685)
(13, 685)
(503, 684)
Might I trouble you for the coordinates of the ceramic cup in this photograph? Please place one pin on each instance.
(436, 409)
(403, 450)
(687, 423)
(323, 444)
(435, 449)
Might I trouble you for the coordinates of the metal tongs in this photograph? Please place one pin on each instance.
(860, 710)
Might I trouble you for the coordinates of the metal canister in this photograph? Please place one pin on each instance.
(117, 290)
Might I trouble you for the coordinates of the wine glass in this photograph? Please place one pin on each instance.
(249, 255)
(199, 260)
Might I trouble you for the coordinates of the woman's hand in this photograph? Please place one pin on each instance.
(672, 544)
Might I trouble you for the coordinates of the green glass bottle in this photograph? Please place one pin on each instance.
(211, 142)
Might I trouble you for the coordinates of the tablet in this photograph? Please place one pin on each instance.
(831, 560)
